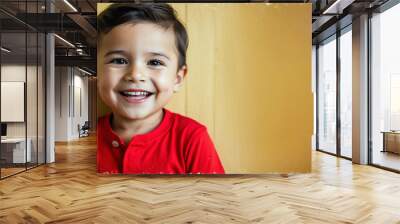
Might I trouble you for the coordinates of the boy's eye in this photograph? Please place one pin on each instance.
(119, 61)
(155, 62)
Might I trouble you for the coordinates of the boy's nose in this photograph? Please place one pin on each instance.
(134, 74)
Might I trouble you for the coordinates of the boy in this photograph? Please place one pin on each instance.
(142, 59)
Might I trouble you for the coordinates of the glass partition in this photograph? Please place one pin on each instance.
(327, 95)
(22, 89)
(346, 93)
(31, 97)
(14, 153)
(385, 89)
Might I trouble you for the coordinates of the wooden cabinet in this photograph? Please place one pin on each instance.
(391, 142)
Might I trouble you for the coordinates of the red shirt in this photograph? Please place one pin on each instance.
(178, 145)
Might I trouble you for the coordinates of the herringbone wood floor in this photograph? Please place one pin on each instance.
(70, 191)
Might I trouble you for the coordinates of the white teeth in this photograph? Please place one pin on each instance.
(128, 93)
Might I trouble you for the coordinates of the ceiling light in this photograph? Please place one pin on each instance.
(331, 7)
(64, 40)
(84, 71)
(5, 50)
(337, 7)
(70, 5)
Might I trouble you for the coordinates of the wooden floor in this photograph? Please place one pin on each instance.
(5, 172)
(70, 191)
(10, 171)
(387, 159)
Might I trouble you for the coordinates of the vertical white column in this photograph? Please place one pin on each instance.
(360, 90)
(50, 93)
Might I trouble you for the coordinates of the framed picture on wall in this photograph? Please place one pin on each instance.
(12, 101)
(204, 88)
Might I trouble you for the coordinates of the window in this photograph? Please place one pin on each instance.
(385, 88)
(346, 93)
(327, 96)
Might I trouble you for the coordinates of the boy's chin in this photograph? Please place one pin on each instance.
(139, 114)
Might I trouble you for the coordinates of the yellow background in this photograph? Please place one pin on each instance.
(249, 82)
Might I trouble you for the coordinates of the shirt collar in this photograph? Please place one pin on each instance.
(160, 130)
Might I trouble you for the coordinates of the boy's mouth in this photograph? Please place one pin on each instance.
(136, 95)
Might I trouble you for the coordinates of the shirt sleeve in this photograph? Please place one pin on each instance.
(201, 155)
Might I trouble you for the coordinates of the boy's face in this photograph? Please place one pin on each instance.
(138, 69)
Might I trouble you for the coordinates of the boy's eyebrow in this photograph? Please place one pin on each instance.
(114, 52)
(123, 52)
(159, 54)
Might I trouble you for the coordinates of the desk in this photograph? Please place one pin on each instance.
(13, 150)
(391, 141)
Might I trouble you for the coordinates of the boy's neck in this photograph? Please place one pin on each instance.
(127, 128)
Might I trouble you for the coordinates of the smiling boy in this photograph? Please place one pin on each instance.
(142, 58)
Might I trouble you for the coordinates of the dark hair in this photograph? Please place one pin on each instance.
(161, 14)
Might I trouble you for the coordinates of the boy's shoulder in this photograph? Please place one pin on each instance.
(186, 124)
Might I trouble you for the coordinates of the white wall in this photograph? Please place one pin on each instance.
(80, 97)
(70, 83)
(12, 73)
(33, 127)
(61, 103)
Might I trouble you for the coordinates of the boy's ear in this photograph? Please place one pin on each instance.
(180, 76)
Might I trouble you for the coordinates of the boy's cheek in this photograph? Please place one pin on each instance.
(107, 80)
(105, 89)
(103, 93)
(166, 84)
